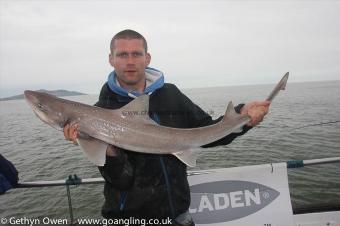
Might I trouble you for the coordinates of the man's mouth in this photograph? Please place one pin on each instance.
(130, 70)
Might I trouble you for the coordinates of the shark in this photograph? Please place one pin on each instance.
(99, 127)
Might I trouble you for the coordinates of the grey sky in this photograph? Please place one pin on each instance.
(65, 44)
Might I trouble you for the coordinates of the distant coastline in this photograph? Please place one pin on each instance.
(59, 93)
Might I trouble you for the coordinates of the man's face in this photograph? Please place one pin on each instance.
(129, 60)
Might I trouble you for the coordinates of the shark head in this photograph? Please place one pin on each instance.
(46, 107)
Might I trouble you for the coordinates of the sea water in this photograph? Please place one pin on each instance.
(40, 152)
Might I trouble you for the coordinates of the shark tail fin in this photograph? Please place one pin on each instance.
(188, 157)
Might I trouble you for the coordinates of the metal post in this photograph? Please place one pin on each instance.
(70, 204)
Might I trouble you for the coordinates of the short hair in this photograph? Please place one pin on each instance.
(128, 34)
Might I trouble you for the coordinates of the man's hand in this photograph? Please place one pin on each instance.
(70, 132)
(256, 110)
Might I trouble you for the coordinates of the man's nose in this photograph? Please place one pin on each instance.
(130, 59)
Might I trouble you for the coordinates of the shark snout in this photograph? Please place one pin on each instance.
(28, 93)
(30, 96)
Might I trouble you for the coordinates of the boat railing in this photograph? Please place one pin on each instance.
(73, 180)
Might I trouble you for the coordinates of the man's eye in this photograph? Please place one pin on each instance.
(137, 54)
(122, 55)
(133, 54)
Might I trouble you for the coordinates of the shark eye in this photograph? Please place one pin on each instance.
(40, 106)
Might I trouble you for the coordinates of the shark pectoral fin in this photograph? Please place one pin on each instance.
(188, 157)
(94, 149)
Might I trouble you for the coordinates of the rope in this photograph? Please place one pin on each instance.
(317, 124)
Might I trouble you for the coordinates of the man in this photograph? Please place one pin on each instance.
(143, 185)
(8, 175)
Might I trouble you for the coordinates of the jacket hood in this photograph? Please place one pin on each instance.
(154, 81)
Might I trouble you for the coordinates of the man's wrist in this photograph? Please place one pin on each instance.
(238, 108)
(111, 151)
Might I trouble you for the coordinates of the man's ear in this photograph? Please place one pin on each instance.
(148, 59)
(111, 59)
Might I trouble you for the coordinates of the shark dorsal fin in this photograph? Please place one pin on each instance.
(230, 110)
(138, 107)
